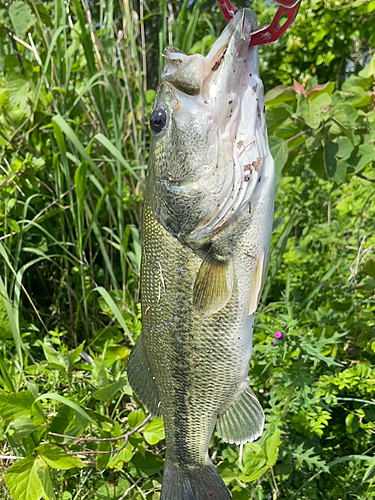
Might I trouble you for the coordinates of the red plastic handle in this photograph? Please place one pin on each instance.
(227, 9)
(287, 3)
(273, 31)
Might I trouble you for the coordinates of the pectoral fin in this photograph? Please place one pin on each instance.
(243, 421)
(259, 280)
(213, 285)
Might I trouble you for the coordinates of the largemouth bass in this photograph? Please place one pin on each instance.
(206, 235)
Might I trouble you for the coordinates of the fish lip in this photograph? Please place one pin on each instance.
(194, 74)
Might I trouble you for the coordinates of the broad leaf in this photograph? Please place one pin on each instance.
(57, 458)
(147, 464)
(15, 405)
(283, 93)
(313, 111)
(124, 456)
(279, 151)
(135, 418)
(368, 70)
(56, 360)
(276, 115)
(330, 160)
(154, 431)
(253, 458)
(272, 448)
(20, 428)
(107, 392)
(22, 18)
(362, 156)
(27, 479)
(258, 473)
(69, 422)
(345, 148)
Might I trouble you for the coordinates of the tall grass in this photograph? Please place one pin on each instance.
(73, 152)
(89, 121)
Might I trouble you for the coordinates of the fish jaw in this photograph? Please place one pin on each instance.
(206, 165)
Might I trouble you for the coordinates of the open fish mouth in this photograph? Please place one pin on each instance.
(219, 96)
(222, 70)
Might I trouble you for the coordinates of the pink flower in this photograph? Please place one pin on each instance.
(278, 335)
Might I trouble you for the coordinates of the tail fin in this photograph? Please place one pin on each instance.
(203, 483)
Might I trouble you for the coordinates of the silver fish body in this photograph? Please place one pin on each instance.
(206, 235)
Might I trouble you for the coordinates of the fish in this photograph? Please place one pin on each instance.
(207, 222)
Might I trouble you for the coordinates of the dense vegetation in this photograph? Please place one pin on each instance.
(77, 82)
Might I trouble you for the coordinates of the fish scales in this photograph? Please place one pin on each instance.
(205, 257)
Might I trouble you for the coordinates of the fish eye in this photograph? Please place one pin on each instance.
(158, 120)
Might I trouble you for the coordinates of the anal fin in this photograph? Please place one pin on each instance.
(243, 421)
(213, 285)
(141, 379)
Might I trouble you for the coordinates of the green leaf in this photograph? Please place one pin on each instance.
(22, 18)
(55, 360)
(115, 352)
(352, 423)
(20, 428)
(369, 268)
(369, 470)
(136, 417)
(59, 122)
(27, 480)
(313, 111)
(317, 90)
(345, 147)
(103, 459)
(254, 475)
(330, 160)
(354, 95)
(317, 163)
(282, 93)
(253, 458)
(147, 464)
(363, 156)
(45, 479)
(341, 171)
(107, 392)
(116, 153)
(279, 151)
(227, 474)
(4, 17)
(111, 491)
(15, 405)
(124, 456)
(75, 354)
(20, 94)
(369, 69)
(57, 458)
(276, 115)
(154, 431)
(272, 448)
(343, 117)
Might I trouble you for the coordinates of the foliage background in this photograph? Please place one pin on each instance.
(77, 82)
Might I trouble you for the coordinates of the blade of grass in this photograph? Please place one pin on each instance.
(116, 311)
(61, 399)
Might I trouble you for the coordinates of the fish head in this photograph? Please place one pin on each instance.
(209, 141)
